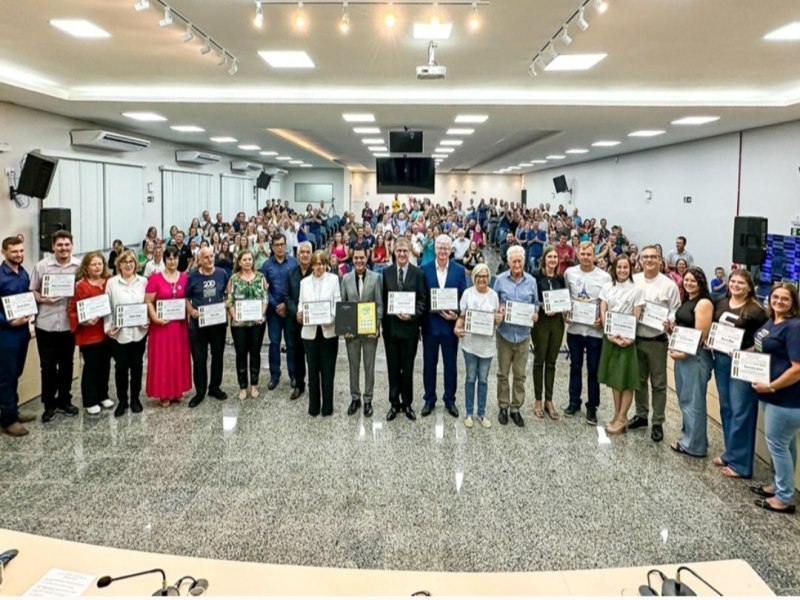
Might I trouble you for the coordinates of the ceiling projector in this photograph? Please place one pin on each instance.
(431, 70)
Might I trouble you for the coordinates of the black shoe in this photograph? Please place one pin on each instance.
(452, 410)
(68, 410)
(657, 433)
(391, 414)
(759, 491)
(571, 411)
(367, 409)
(503, 416)
(294, 382)
(517, 418)
(218, 394)
(122, 408)
(426, 410)
(136, 406)
(636, 422)
(273, 383)
(283, 349)
(591, 416)
(353, 408)
(412, 416)
(296, 393)
(48, 415)
(196, 401)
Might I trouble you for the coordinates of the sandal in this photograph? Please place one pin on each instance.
(764, 503)
(676, 447)
(717, 461)
(759, 490)
(551, 411)
(728, 472)
(537, 409)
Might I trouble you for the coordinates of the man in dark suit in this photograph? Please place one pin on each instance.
(401, 332)
(293, 329)
(438, 329)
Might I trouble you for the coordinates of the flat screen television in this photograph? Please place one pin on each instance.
(396, 175)
(405, 142)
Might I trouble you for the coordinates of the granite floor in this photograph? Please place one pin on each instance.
(260, 480)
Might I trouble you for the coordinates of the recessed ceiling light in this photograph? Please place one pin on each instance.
(381, 154)
(373, 141)
(790, 32)
(525, 165)
(460, 131)
(646, 133)
(378, 149)
(606, 143)
(574, 62)
(283, 158)
(187, 128)
(443, 150)
(268, 153)
(80, 28)
(439, 155)
(249, 147)
(577, 151)
(432, 31)
(144, 116)
(451, 142)
(287, 59)
(538, 161)
(366, 130)
(306, 165)
(555, 157)
(223, 139)
(295, 162)
(695, 120)
(471, 118)
(359, 117)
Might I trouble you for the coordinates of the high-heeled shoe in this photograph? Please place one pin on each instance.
(550, 410)
(616, 428)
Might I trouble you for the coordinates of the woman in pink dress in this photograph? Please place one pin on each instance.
(169, 363)
(339, 250)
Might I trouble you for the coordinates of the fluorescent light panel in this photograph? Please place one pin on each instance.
(574, 62)
(359, 117)
(249, 147)
(646, 133)
(439, 155)
(539, 161)
(268, 153)
(378, 149)
(451, 142)
(381, 154)
(287, 59)
(606, 144)
(555, 157)
(367, 130)
(460, 131)
(444, 150)
(577, 151)
(223, 139)
(431, 31)
(787, 33)
(471, 118)
(295, 162)
(695, 120)
(283, 158)
(187, 128)
(372, 141)
(144, 116)
(80, 28)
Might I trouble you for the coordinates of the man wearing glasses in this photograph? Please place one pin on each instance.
(651, 344)
(276, 271)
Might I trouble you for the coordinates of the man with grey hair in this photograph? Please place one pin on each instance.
(438, 330)
(293, 329)
(460, 245)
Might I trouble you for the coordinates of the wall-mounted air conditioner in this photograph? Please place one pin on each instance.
(107, 140)
(276, 171)
(243, 165)
(195, 157)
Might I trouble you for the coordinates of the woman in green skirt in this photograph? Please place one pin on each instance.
(619, 366)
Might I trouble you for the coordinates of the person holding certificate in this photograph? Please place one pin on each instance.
(741, 312)
(90, 335)
(247, 305)
(169, 362)
(619, 366)
(205, 294)
(128, 341)
(584, 333)
(319, 333)
(692, 371)
(478, 348)
(14, 337)
(290, 298)
(548, 334)
(780, 339)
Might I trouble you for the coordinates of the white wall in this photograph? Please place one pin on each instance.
(334, 177)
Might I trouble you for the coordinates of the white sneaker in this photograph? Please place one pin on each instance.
(107, 403)
(468, 421)
(485, 422)
(93, 410)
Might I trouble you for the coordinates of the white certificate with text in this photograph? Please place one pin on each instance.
(751, 366)
(131, 315)
(621, 324)
(56, 285)
(19, 305)
(556, 300)
(249, 310)
(724, 338)
(171, 310)
(94, 307)
(685, 339)
(480, 322)
(212, 314)
(584, 313)
(402, 303)
(519, 313)
(654, 315)
(444, 299)
(317, 313)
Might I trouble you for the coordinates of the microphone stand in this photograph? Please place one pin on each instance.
(107, 580)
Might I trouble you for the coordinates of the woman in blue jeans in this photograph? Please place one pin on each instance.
(738, 403)
(692, 371)
(780, 338)
(478, 349)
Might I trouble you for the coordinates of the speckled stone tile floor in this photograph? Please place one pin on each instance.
(260, 480)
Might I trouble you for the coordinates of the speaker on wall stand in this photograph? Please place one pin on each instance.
(749, 240)
(50, 221)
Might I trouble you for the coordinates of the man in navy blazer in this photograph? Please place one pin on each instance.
(438, 329)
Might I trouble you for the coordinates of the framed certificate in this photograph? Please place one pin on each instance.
(94, 307)
(751, 366)
(620, 324)
(317, 313)
(685, 339)
(212, 314)
(654, 315)
(556, 300)
(725, 338)
(248, 310)
(584, 313)
(480, 322)
(19, 305)
(519, 313)
(401, 303)
(444, 299)
(171, 310)
(131, 315)
(57, 285)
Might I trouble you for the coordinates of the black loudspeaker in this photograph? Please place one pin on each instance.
(37, 175)
(749, 240)
(561, 184)
(263, 180)
(50, 221)
(524, 197)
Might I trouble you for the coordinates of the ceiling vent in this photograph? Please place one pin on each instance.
(243, 165)
(195, 157)
(107, 140)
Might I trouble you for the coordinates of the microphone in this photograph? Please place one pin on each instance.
(107, 580)
(199, 587)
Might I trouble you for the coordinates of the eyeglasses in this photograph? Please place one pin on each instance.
(649, 257)
(128, 262)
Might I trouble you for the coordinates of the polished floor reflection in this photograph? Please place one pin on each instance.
(260, 480)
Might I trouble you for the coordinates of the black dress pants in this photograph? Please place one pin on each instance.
(200, 339)
(321, 356)
(400, 356)
(247, 343)
(128, 368)
(96, 371)
(56, 357)
(299, 354)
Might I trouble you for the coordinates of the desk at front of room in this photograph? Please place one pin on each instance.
(37, 555)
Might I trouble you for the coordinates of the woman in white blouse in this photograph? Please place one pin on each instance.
(128, 343)
(320, 341)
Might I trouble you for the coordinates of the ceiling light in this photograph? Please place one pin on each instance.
(295, 162)
(187, 128)
(224, 139)
(471, 118)
(268, 153)
(565, 39)
(258, 21)
(80, 28)
(144, 116)
(373, 141)
(167, 20)
(359, 117)
(141, 5)
(344, 22)
(306, 165)
(443, 150)
(451, 142)
(366, 130)
(435, 14)
(283, 158)
(580, 20)
(389, 19)
(249, 147)
(378, 149)
(601, 6)
(606, 144)
(646, 133)
(290, 59)
(524, 165)
(577, 151)
(575, 62)
(532, 69)
(206, 47)
(300, 18)
(474, 19)
(460, 131)
(695, 120)
(234, 67)
(188, 36)
(381, 154)
(432, 31)
(223, 58)
(555, 157)
(439, 155)
(538, 161)
(790, 32)
(548, 55)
